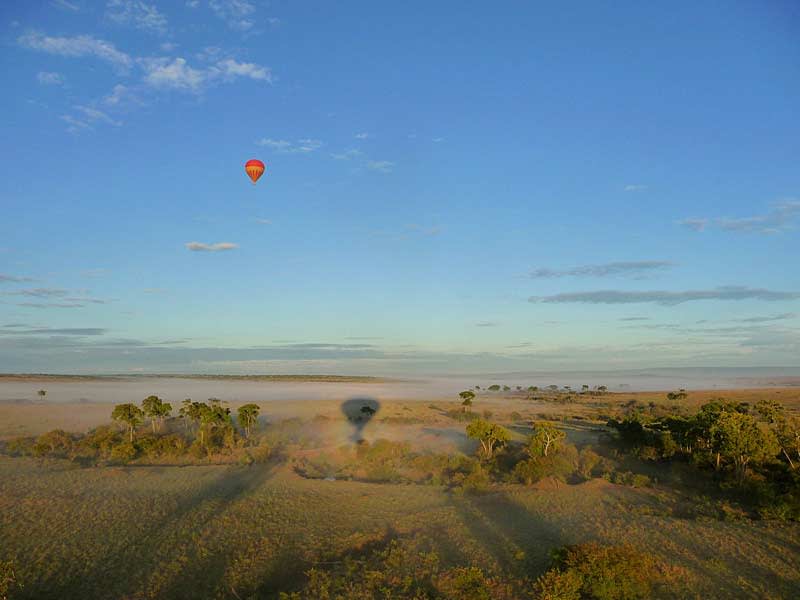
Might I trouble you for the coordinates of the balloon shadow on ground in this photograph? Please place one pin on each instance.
(359, 411)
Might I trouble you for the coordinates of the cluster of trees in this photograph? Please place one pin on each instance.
(132, 416)
(545, 453)
(208, 427)
(759, 443)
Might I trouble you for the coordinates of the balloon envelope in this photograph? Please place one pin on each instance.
(254, 168)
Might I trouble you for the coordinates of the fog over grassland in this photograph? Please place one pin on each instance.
(126, 388)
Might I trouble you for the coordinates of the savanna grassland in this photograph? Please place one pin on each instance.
(501, 494)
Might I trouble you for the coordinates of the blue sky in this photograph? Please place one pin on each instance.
(450, 187)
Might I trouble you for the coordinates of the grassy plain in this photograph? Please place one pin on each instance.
(230, 531)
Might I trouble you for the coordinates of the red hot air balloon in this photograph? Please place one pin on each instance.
(255, 169)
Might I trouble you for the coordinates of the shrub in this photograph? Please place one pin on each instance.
(477, 481)
(460, 415)
(558, 585)
(598, 572)
(21, 446)
(100, 441)
(464, 583)
(8, 578)
(57, 443)
(629, 479)
(588, 461)
(124, 452)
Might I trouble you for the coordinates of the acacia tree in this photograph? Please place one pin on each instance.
(213, 416)
(545, 439)
(467, 396)
(248, 417)
(42, 394)
(490, 435)
(788, 433)
(157, 410)
(786, 428)
(130, 414)
(190, 412)
(741, 441)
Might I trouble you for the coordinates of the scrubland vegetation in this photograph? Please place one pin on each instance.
(499, 493)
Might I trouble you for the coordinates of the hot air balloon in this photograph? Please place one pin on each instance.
(255, 169)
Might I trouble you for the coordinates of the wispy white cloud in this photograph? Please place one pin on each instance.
(217, 247)
(232, 69)
(13, 279)
(437, 140)
(137, 14)
(347, 155)
(237, 14)
(781, 217)
(362, 136)
(694, 224)
(635, 187)
(177, 74)
(39, 292)
(486, 324)
(121, 95)
(92, 115)
(264, 221)
(767, 318)
(667, 298)
(48, 78)
(86, 117)
(381, 166)
(635, 268)
(78, 46)
(301, 146)
(64, 4)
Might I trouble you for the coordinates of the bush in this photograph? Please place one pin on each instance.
(630, 479)
(461, 416)
(261, 453)
(99, 442)
(477, 481)
(21, 446)
(558, 585)
(588, 462)
(598, 572)
(124, 452)
(57, 443)
(464, 583)
(8, 578)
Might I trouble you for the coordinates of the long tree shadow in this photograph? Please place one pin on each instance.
(519, 542)
(165, 537)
